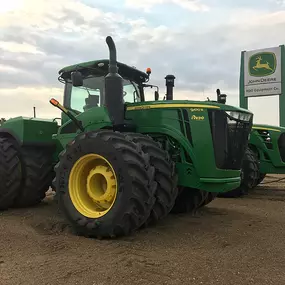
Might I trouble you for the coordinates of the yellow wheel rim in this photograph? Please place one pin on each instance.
(92, 185)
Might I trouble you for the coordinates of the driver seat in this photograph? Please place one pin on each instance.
(91, 101)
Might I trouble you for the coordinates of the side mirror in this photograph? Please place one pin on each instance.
(156, 95)
(76, 78)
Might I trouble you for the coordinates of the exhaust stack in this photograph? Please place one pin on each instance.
(169, 82)
(114, 87)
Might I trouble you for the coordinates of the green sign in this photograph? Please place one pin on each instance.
(262, 64)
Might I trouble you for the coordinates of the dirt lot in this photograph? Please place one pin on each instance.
(230, 241)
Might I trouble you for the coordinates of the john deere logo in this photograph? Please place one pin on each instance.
(262, 64)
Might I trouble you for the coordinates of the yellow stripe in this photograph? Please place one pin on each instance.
(162, 106)
(266, 129)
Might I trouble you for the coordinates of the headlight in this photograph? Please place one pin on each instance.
(239, 115)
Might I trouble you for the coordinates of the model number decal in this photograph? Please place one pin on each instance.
(197, 118)
(196, 110)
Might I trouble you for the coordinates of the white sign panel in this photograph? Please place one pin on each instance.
(262, 72)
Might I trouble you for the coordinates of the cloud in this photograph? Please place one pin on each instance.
(37, 40)
(21, 100)
(191, 5)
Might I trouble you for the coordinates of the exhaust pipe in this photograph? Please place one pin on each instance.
(221, 98)
(114, 87)
(169, 82)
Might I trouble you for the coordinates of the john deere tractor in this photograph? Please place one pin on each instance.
(118, 162)
(265, 154)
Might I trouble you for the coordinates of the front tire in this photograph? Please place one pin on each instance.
(118, 205)
(250, 173)
(165, 177)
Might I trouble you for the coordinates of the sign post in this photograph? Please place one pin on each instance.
(262, 73)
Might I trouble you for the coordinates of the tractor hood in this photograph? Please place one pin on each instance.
(268, 128)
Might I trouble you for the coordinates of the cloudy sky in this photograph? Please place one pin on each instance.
(199, 41)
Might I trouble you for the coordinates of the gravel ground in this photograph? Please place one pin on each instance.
(230, 241)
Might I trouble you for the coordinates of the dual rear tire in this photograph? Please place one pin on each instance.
(25, 174)
(142, 182)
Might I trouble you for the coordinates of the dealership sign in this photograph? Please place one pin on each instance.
(262, 72)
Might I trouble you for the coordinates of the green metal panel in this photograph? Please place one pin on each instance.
(31, 130)
(268, 152)
(282, 96)
(157, 118)
(92, 119)
(243, 101)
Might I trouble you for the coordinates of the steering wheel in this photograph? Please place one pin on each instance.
(124, 93)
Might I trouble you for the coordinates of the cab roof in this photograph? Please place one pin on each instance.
(100, 68)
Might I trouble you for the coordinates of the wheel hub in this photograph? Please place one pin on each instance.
(101, 186)
(92, 185)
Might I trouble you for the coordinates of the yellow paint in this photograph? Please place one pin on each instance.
(260, 65)
(174, 105)
(92, 185)
(196, 110)
(63, 108)
(197, 118)
(266, 129)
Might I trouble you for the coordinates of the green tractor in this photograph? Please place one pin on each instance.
(118, 162)
(265, 154)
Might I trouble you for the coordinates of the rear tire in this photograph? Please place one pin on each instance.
(188, 200)
(38, 175)
(134, 179)
(10, 172)
(165, 177)
(250, 172)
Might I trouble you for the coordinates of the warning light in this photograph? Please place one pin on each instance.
(148, 70)
(54, 102)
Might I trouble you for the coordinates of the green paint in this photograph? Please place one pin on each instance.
(100, 67)
(262, 64)
(184, 130)
(243, 101)
(264, 142)
(282, 96)
(200, 171)
(31, 130)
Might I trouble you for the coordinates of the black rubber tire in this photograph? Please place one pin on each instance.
(165, 177)
(37, 176)
(210, 196)
(10, 172)
(135, 197)
(188, 200)
(250, 169)
(260, 178)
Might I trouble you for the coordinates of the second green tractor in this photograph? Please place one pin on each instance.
(118, 162)
(265, 155)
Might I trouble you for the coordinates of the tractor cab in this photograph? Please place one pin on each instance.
(85, 84)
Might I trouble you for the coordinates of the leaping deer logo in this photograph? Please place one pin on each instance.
(260, 65)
